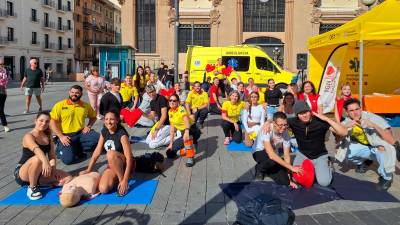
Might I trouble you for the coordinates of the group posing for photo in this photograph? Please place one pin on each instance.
(176, 113)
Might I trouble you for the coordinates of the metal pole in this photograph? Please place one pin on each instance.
(361, 71)
(176, 53)
(192, 32)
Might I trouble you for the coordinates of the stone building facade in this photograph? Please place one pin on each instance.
(148, 25)
(40, 29)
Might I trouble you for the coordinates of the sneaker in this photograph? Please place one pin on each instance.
(364, 166)
(34, 193)
(6, 129)
(397, 147)
(227, 141)
(25, 112)
(384, 185)
(190, 162)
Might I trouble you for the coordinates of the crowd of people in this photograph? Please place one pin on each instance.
(286, 122)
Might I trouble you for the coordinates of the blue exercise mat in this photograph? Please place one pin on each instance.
(140, 192)
(343, 188)
(136, 139)
(393, 121)
(235, 147)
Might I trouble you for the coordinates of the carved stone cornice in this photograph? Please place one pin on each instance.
(121, 2)
(316, 15)
(316, 3)
(214, 17)
(216, 3)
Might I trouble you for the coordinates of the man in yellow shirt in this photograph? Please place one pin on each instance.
(129, 92)
(197, 104)
(68, 123)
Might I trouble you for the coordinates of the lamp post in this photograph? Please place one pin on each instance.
(367, 3)
(176, 40)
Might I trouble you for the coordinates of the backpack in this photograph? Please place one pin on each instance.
(263, 209)
(149, 163)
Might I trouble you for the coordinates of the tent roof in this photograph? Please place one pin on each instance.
(380, 23)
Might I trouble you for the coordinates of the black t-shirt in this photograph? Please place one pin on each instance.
(33, 77)
(272, 96)
(310, 137)
(112, 142)
(157, 104)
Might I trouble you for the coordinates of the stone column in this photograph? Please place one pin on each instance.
(288, 54)
(128, 21)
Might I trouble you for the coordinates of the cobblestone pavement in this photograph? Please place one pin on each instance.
(184, 195)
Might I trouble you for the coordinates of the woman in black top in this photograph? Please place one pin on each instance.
(37, 165)
(115, 141)
(272, 97)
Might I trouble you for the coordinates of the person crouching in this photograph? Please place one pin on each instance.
(179, 120)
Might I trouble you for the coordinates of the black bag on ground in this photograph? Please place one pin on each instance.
(263, 209)
(149, 163)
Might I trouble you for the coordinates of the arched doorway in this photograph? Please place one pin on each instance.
(22, 66)
(268, 44)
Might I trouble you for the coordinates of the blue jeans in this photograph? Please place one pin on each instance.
(359, 153)
(270, 111)
(79, 143)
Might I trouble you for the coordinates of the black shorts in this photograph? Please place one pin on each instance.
(17, 178)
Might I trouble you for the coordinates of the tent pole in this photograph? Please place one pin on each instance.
(360, 76)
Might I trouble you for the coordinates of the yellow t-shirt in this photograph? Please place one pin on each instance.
(143, 82)
(71, 116)
(232, 110)
(176, 118)
(128, 92)
(220, 75)
(196, 100)
(358, 134)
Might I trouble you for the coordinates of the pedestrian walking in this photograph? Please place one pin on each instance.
(95, 85)
(3, 95)
(34, 81)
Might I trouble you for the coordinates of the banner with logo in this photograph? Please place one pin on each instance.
(330, 79)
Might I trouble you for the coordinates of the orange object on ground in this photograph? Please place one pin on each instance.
(306, 179)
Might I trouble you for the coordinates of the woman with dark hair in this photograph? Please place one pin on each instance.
(272, 97)
(309, 95)
(287, 105)
(140, 79)
(180, 121)
(252, 118)
(37, 165)
(115, 141)
(231, 118)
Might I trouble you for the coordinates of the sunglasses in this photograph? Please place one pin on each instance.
(173, 100)
(281, 125)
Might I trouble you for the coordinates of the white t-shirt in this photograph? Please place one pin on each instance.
(257, 116)
(277, 141)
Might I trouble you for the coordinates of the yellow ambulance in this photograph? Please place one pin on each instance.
(251, 62)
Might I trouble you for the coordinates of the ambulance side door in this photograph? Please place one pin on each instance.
(243, 66)
(264, 69)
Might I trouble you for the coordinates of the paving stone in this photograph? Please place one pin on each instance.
(324, 219)
(26, 215)
(305, 220)
(368, 218)
(347, 218)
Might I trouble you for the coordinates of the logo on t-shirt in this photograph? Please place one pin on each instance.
(109, 145)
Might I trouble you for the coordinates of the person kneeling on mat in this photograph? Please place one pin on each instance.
(82, 186)
(179, 119)
(115, 141)
(35, 168)
(310, 129)
(230, 118)
(267, 152)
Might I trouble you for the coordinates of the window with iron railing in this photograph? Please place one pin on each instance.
(146, 26)
(201, 36)
(264, 16)
(325, 27)
(34, 38)
(60, 43)
(10, 8)
(10, 34)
